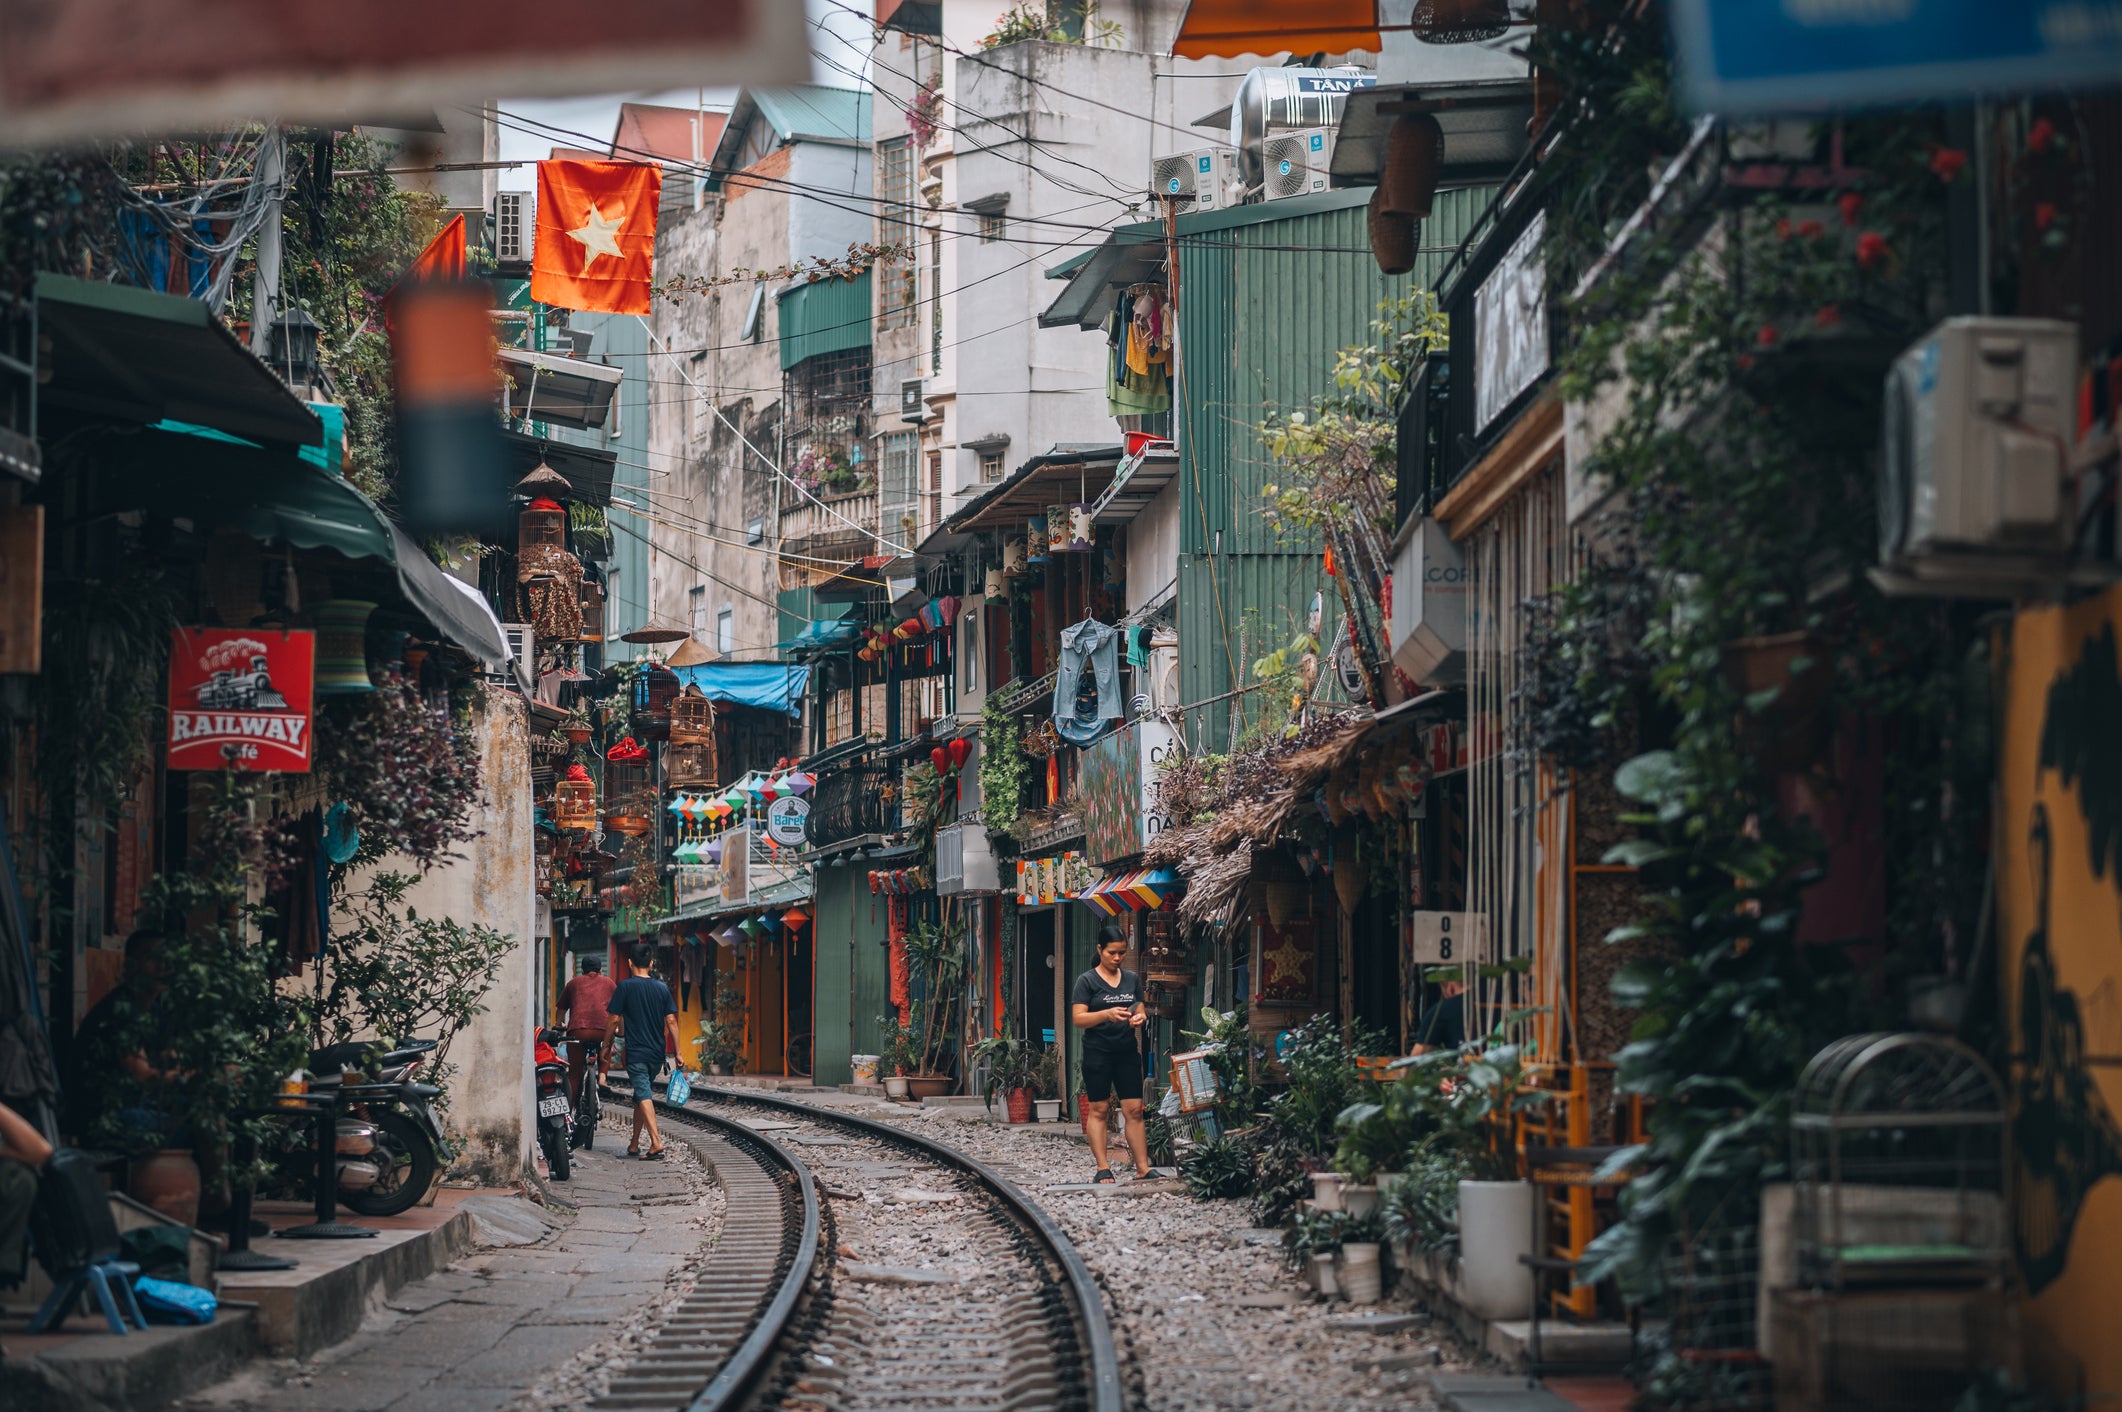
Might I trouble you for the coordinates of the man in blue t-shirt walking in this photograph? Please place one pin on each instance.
(648, 1022)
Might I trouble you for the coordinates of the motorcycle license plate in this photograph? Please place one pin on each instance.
(554, 1107)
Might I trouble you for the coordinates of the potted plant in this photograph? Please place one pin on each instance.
(1012, 1068)
(895, 1056)
(717, 1049)
(1375, 1138)
(577, 727)
(1495, 1215)
(935, 959)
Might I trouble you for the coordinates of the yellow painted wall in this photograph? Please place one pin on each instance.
(2059, 892)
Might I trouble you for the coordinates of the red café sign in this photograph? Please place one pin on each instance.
(241, 699)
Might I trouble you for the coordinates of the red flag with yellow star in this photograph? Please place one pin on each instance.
(596, 241)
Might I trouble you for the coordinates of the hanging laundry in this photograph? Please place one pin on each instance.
(1087, 687)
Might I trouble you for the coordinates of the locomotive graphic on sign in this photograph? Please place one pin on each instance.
(241, 699)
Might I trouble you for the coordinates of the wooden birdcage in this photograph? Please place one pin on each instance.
(692, 718)
(592, 610)
(542, 523)
(629, 802)
(655, 689)
(691, 765)
(575, 801)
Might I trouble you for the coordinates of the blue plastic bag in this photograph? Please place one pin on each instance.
(680, 1088)
(167, 1302)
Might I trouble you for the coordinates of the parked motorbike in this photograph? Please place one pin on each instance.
(389, 1145)
(555, 1117)
(589, 1108)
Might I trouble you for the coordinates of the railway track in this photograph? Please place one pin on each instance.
(785, 1316)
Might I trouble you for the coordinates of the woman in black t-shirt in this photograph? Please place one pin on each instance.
(1106, 1005)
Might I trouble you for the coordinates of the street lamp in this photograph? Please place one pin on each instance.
(295, 336)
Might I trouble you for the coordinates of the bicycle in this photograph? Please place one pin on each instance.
(799, 1055)
(591, 1105)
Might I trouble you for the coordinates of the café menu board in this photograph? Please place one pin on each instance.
(242, 699)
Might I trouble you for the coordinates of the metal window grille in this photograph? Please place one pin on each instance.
(935, 303)
(896, 293)
(935, 488)
(897, 487)
(990, 466)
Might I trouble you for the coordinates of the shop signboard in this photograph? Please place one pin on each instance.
(1770, 56)
(241, 699)
(1118, 790)
(787, 821)
(1510, 326)
(1447, 938)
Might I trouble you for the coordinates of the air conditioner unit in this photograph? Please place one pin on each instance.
(912, 406)
(514, 225)
(1208, 174)
(964, 861)
(1163, 675)
(1294, 163)
(1974, 491)
(522, 667)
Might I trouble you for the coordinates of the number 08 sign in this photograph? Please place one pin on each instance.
(241, 699)
(1448, 938)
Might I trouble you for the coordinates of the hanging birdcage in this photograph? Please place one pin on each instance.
(691, 765)
(575, 800)
(592, 594)
(629, 801)
(654, 689)
(692, 718)
(543, 522)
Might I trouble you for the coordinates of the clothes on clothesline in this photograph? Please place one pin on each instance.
(1139, 333)
(1087, 688)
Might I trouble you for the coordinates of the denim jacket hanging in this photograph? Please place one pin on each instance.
(1087, 690)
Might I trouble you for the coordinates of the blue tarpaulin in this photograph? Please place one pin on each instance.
(823, 633)
(770, 686)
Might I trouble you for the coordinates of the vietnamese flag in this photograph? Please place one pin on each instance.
(596, 241)
(442, 259)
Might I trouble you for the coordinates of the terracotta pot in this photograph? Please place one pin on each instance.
(930, 1085)
(169, 1182)
(1020, 1105)
(578, 735)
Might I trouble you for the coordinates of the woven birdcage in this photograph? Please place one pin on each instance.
(592, 596)
(575, 800)
(629, 802)
(692, 718)
(653, 692)
(691, 765)
(543, 522)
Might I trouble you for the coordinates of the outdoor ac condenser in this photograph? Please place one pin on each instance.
(1295, 163)
(513, 212)
(1974, 488)
(1208, 174)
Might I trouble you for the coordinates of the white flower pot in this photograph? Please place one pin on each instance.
(1360, 1274)
(1048, 1109)
(1359, 1199)
(895, 1086)
(1326, 1191)
(1323, 1275)
(1495, 1228)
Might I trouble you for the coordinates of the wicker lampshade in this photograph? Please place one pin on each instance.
(1414, 163)
(1460, 21)
(1393, 239)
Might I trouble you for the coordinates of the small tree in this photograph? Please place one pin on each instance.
(399, 975)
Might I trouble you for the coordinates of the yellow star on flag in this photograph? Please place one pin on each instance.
(599, 235)
(1287, 964)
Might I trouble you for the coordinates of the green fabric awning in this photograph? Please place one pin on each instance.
(827, 317)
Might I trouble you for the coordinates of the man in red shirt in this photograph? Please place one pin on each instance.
(582, 1013)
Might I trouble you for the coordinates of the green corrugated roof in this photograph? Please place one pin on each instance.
(813, 110)
(827, 316)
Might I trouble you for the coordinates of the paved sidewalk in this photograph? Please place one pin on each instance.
(481, 1334)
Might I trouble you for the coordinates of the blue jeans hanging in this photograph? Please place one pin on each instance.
(1087, 689)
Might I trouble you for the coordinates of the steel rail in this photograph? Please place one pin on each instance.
(1105, 1389)
(737, 1377)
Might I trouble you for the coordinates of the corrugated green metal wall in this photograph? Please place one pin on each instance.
(825, 317)
(1265, 302)
(851, 971)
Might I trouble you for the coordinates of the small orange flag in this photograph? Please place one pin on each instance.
(596, 242)
(443, 259)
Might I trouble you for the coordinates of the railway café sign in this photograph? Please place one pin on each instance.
(241, 699)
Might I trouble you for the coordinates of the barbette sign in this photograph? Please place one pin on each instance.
(241, 699)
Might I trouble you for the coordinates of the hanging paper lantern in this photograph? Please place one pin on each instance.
(798, 783)
(751, 928)
(948, 606)
(873, 876)
(769, 923)
(729, 936)
(713, 849)
(342, 652)
(940, 758)
(795, 917)
(737, 800)
(677, 806)
(959, 750)
(995, 588)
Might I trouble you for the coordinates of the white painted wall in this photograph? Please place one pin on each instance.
(1153, 548)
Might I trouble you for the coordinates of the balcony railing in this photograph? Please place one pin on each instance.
(855, 796)
(838, 531)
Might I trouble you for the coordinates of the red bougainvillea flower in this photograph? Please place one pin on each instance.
(1851, 203)
(1946, 162)
(1871, 250)
(2040, 137)
(2044, 215)
(1745, 362)
(1784, 229)
(1811, 230)
(1766, 335)
(1829, 316)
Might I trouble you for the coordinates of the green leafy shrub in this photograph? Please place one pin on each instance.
(1217, 1169)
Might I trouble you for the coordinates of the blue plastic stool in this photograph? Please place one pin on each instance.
(110, 1281)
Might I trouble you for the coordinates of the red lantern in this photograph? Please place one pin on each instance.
(874, 875)
(959, 749)
(940, 760)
